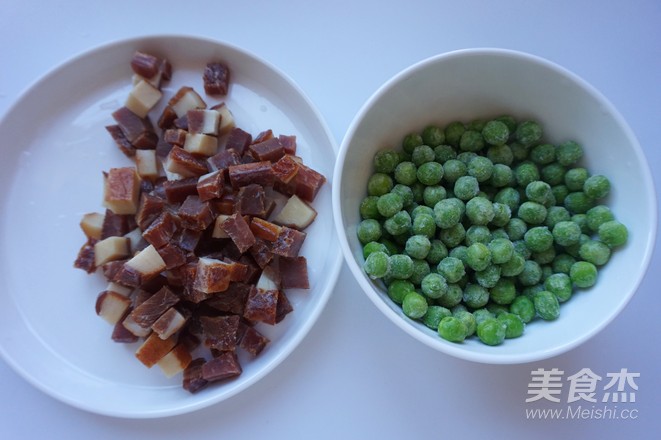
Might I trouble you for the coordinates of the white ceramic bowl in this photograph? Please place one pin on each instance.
(479, 83)
(54, 150)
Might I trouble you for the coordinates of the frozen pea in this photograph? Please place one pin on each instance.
(451, 268)
(562, 263)
(491, 331)
(560, 285)
(398, 289)
(501, 250)
(501, 176)
(568, 153)
(582, 221)
(406, 173)
(528, 133)
(420, 270)
(453, 132)
(509, 121)
(523, 307)
(433, 194)
(374, 246)
(368, 208)
(433, 135)
(481, 168)
(453, 296)
(477, 233)
(466, 187)
(544, 258)
(411, 141)
(405, 192)
(389, 204)
(453, 169)
(538, 238)
(503, 292)
(598, 215)
(514, 325)
(556, 214)
(466, 156)
(566, 233)
(471, 140)
(475, 296)
(488, 277)
(542, 154)
(478, 256)
(516, 228)
(495, 132)
(499, 233)
(437, 252)
(385, 161)
(414, 305)
(583, 274)
(459, 252)
(434, 315)
(526, 172)
(513, 267)
(482, 314)
(443, 153)
(519, 151)
(597, 186)
(546, 305)
(560, 193)
(401, 266)
(500, 154)
(423, 224)
(553, 174)
(531, 273)
(613, 233)
(468, 319)
(418, 192)
(452, 329)
(574, 248)
(578, 202)
(448, 212)
(421, 209)
(379, 184)
(369, 230)
(532, 213)
(422, 154)
(390, 245)
(479, 211)
(521, 248)
(377, 265)
(434, 285)
(417, 246)
(540, 192)
(575, 178)
(595, 252)
(453, 236)
(398, 224)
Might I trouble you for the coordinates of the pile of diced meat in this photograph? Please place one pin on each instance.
(200, 240)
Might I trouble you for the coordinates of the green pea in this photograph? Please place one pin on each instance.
(414, 305)
(420, 270)
(502, 175)
(389, 204)
(532, 213)
(531, 273)
(556, 214)
(583, 274)
(443, 153)
(560, 192)
(422, 154)
(433, 135)
(434, 285)
(398, 224)
(568, 153)
(369, 230)
(379, 184)
(516, 228)
(566, 233)
(434, 316)
(595, 252)
(453, 236)
(477, 233)
(500, 155)
(398, 289)
(452, 297)
(471, 140)
(468, 319)
(417, 246)
(544, 257)
(546, 305)
(528, 133)
(453, 169)
(451, 268)
(562, 263)
(401, 266)
(368, 208)
(540, 192)
(405, 192)
(424, 224)
(478, 256)
(437, 252)
(377, 265)
(613, 233)
(475, 296)
(578, 202)
(491, 331)
(374, 246)
(514, 325)
(523, 307)
(448, 212)
(466, 187)
(481, 168)
(538, 239)
(479, 211)
(406, 173)
(453, 132)
(385, 161)
(411, 141)
(526, 172)
(543, 154)
(452, 329)
(575, 178)
(488, 277)
(560, 285)
(553, 174)
(513, 267)
(508, 196)
(598, 215)
(597, 186)
(495, 132)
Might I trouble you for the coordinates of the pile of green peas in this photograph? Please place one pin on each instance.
(478, 228)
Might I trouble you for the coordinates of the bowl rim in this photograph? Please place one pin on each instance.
(437, 343)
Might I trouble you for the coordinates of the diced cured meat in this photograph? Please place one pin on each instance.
(121, 190)
(167, 118)
(225, 366)
(201, 144)
(175, 136)
(186, 99)
(170, 322)
(195, 214)
(193, 380)
(263, 136)
(252, 200)
(238, 140)
(260, 173)
(216, 78)
(150, 207)
(289, 242)
(237, 228)
(160, 231)
(261, 252)
(175, 361)
(296, 214)
(283, 308)
(114, 225)
(253, 341)
(269, 150)
(112, 306)
(210, 186)
(285, 169)
(306, 184)
(294, 273)
(212, 275)
(122, 334)
(85, 258)
(92, 225)
(232, 300)
(184, 163)
(224, 159)
(172, 255)
(154, 348)
(288, 142)
(261, 306)
(203, 121)
(176, 191)
(264, 229)
(139, 131)
(221, 332)
(188, 239)
(110, 249)
(151, 309)
(145, 64)
(121, 140)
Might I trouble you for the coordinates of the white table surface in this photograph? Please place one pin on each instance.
(356, 375)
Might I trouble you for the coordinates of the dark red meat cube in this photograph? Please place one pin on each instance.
(253, 341)
(85, 258)
(261, 306)
(225, 366)
(252, 200)
(173, 255)
(195, 214)
(260, 173)
(261, 252)
(294, 273)
(121, 140)
(289, 242)
(220, 331)
(232, 300)
(237, 228)
(283, 308)
(270, 150)
(176, 191)
(193, 380)
(145, 65)
(288, 143)
(115, 225)
(138, 131)
(285, 169)
(150, 207)
(238, 140)
(160, 231)
(216, 78)
(167, 118)
(210, 186)
(224, 159)
(151, 309)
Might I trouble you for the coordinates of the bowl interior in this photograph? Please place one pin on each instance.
(483, 83)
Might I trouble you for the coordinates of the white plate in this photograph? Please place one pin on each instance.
(54, 149)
